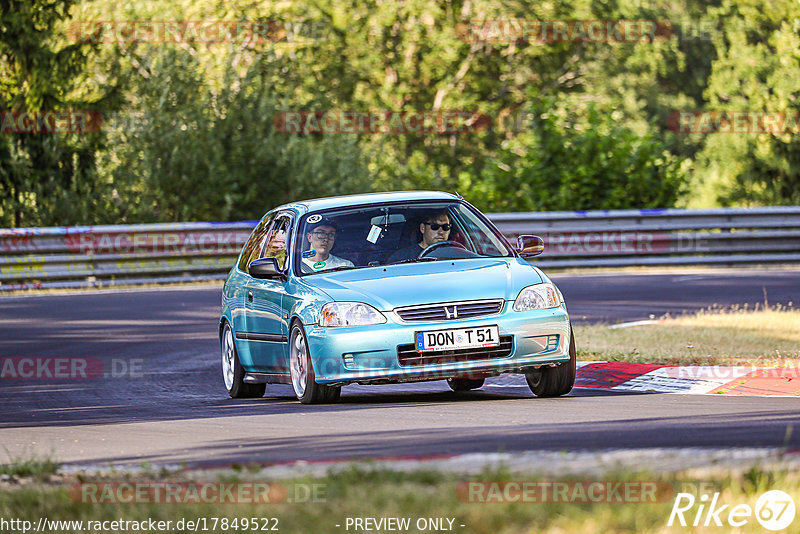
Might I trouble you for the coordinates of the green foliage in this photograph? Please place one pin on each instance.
(45, 179)
(758, 69)
(189, 151)
(39, 468)
(189, 126)
(579, 160)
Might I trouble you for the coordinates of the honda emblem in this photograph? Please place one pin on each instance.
(451, 314)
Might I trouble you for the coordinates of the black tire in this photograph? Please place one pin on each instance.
(464, 384)
(234, 382)
(555, 381)
(304, 383)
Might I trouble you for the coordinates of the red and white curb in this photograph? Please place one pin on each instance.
(652, 378)
(727, 380)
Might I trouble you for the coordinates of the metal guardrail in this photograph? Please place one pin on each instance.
(80, 256)
(722, 236)
(64, 257)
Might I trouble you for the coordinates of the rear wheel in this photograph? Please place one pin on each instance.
(301, 370)
(555, 381)
(233, 372)
(464, 384)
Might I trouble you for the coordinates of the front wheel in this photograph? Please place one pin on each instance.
(233, 372)
(555, 381)
(301, 370)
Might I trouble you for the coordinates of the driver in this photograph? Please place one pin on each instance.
(434, 228)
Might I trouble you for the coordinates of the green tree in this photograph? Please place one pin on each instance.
(758, 69)
(46, 178)
(192, 151)
(189, 133)
(576, 161)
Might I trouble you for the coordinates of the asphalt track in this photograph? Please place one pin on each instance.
(176, 410)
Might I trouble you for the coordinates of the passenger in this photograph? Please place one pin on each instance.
(321, 236)
(435, 228)
(277, 248)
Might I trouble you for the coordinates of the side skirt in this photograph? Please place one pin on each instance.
(267, 378)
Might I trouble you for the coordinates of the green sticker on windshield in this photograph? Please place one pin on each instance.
(319, 265)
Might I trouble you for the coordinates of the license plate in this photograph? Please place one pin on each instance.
(458, 338)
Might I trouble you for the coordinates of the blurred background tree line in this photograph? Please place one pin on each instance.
(189, 135)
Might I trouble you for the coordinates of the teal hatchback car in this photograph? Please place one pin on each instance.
(386, 288)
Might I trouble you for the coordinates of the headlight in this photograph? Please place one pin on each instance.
(537, 297)
(349, 314)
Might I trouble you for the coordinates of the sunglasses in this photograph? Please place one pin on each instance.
(436, 226)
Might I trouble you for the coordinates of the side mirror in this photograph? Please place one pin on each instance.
(264, 268)
(529, 246)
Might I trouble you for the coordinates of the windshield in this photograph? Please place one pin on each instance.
(378, 235)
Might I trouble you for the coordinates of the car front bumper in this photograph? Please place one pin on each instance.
(369, 354)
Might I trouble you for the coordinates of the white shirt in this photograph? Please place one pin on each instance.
(331, 263)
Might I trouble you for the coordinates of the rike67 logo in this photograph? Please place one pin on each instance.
(774, 510)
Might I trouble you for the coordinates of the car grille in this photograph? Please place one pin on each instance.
(407, 355)
(450, 311)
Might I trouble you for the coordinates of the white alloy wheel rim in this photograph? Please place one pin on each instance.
(227, 357)
(298, 362)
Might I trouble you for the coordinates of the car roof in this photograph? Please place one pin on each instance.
(366, 198)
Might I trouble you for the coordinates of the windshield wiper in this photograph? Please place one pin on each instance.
(339, 268)
(414, 260)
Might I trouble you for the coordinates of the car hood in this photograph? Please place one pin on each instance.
(394, 286)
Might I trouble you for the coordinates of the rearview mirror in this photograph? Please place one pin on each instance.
(529, 246)
(393, 218)
(264, 268)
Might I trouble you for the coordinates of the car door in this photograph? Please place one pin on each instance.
(236, 288)
(265, 320)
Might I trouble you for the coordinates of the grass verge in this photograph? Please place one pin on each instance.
(359, 493)
(39, 469)
(736, 336)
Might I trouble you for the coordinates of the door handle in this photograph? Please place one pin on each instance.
(249, 296)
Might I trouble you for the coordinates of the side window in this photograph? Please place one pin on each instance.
(253, 246)
(276, 245)
(481, 238)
